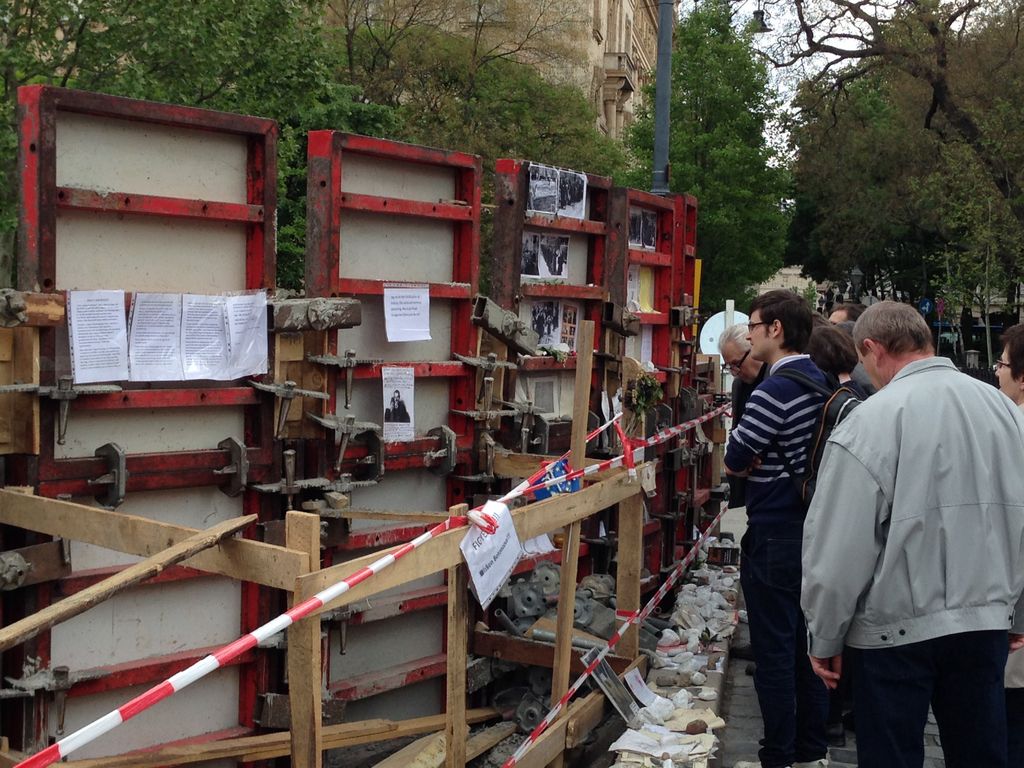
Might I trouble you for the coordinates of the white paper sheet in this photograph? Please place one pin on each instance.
(99, 336)
(204, 338)
(633, 288)
(636, 684)
(538, 545)
(247, 333)
(491, 557)
(646, 343)
(407, 312)
(154, 337)
(399, 403)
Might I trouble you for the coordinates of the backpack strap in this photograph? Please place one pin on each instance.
(826, 392)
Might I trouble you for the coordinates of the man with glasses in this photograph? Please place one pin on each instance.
(913, 556)
(769, 445)
(748, 372)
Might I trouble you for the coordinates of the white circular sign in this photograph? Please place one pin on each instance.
(713, 329)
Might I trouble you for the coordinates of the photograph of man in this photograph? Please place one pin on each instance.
(396, 410)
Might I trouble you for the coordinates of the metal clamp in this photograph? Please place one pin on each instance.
(237, 470)
(441, 462)
(64, 392)
(115, 478)
(344, 427)
(486, 400)
(505, 325)
(288, 485)
(286, 393)
(348, 363)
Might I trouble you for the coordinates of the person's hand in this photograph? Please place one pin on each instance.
(745, 472)
(829, 670)
(1016, 642)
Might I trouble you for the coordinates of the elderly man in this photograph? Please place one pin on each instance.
(749, 372)
(912, 552)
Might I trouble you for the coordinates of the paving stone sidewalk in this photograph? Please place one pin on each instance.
(743, 722)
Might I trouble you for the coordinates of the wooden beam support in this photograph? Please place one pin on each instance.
(521, 650)
(456, 648)
(305, 682)
(571, 545)
(525, 464)
(272, 745)
(443, 550)
(241, 559)
(630, 561)
(30, 626)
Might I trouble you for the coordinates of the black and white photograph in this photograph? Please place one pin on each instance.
(543, 192)
(636, 238)
(570, 324)
(572, 194)
(649, 229)
(543, 395)
(554, 252)
(530, 259)
(398, 388)
(545, 321)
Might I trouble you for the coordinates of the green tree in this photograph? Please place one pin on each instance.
(721, 106)
(262, 57)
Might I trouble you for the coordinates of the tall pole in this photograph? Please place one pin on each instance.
(662, 92)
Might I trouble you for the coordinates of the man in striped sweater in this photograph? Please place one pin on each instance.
(769, 445)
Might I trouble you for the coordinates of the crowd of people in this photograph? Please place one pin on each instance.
(901, 578)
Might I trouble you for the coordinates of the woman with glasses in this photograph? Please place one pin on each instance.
(1009, 370)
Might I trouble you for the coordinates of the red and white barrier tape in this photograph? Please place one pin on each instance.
(208, 664)
(631, 618)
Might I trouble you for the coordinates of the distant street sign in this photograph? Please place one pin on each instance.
(940, 307)
(926, 306)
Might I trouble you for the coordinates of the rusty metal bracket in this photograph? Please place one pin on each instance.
(288, 486)
(237, 470)
(620, 319)
(115, 479)
(682, 316)
(344, 427)
(64, 392)
(348, 363)
(441, 462)
(505, 325)
(286, 393)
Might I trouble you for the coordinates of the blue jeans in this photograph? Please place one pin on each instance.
(793, 701)
(960, 676)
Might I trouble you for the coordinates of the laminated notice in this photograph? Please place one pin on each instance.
(98, 336)
(407, 312)
(204, 336)
(247, 333)
(154, 339)
(491, 557)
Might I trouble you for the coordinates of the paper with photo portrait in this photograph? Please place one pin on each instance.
(572, 194)
(529, 259)
(542, 193)
(398, 388)
(554, 257)
(546, 320)
(569, 331)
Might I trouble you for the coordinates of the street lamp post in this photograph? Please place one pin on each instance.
(856, 280)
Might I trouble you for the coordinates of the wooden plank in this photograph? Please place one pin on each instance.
(384, 515)
(627, 574)
(19, 411)
(46, 562)
(571, 545)
(305, 681)
(430, 751)
(443, 550)
(272, 745)
(458, 638)
(82, 601)
(525, 464)
(241, 559)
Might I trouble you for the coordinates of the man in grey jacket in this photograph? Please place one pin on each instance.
(913, 551)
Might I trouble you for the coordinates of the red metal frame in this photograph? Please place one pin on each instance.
(39, 111)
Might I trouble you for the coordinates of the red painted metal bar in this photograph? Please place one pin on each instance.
(570, 226)
(653, 318)
(387, 606)
(396, 150)
(168, 398)
(371, 538)
(650, 258)
(437, 369)
(454, 290)
(71, 198)
(79, 580)
(398, 207)
(551, 290)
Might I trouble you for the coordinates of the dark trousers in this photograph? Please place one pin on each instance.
(960, 676)
(1015, 726)
(793, 701)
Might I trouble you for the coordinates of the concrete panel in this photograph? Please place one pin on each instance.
(150, 431)
(430, 405)
(370, 339)
(410, 490)
(150, 621)
(418, 250)
(206, 706)
(420, 700)
(194, 507)
(395, 178)
(382, 644)
(149, 254)
(107, 154)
